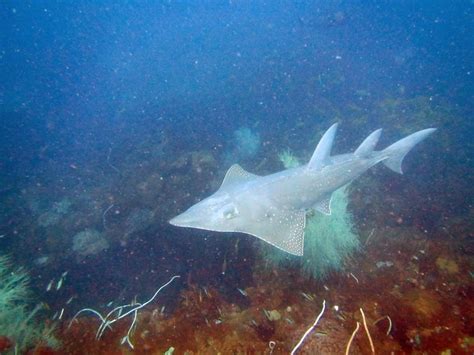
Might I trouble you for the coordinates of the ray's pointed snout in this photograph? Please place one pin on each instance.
(176, 221)
(193, 217)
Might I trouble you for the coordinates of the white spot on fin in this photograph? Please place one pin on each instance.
(236, 174)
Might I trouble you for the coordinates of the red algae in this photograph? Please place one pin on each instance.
(43, 350)
(405, 302)
(5, 343)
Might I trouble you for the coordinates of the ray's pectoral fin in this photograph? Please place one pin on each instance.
(281, 228)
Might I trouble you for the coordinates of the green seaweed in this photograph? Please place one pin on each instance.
(329, 240)
(288, 160)
(18, 321)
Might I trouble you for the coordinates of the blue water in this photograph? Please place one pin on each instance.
(116, 116)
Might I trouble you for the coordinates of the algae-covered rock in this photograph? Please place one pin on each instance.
(55, 214)
(273, 315)
(245, 144)
(138, 220)
(89, 242)
(447, 265)
(425, 304)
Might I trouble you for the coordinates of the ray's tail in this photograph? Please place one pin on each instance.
(397, 151)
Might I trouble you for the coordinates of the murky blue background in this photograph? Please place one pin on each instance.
(109, 106)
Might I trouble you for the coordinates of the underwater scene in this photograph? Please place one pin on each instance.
(236, 177)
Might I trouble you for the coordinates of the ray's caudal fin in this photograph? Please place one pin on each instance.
(397, 151)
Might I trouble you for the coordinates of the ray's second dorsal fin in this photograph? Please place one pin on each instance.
(322, 152)
(368, 145)
(236, 174)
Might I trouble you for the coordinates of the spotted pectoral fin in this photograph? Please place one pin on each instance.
(281, 228)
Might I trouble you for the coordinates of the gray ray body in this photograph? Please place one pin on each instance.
(273, 207)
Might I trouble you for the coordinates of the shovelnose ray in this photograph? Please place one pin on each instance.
(274, 207)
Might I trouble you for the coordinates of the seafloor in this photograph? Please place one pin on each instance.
(412, 276)
(427, 293)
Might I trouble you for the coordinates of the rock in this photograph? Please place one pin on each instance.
(89, 242)
(447, 265)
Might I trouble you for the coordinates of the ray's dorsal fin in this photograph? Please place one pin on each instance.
(236, 174)
(368, 145)
(321, 154)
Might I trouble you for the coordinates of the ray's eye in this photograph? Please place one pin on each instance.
(230, 212)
